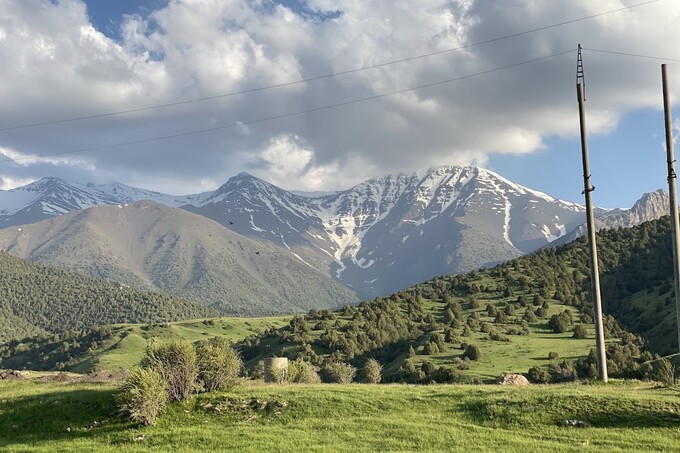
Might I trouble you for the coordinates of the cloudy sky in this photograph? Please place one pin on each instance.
(506, 104)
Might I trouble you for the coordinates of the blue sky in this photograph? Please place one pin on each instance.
(521, 122)
(625, 163)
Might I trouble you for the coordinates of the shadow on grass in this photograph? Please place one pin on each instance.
(59, 414)
(553, 410)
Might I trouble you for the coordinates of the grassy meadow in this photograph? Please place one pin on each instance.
(125, 348)
(620, 416)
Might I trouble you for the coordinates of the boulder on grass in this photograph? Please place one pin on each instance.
(512, 379)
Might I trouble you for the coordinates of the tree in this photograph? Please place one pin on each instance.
(472, 352)
(580, 332)
(372, 371)
(338, 373)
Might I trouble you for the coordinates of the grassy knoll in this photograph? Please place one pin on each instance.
(127, 344)
(629, 416)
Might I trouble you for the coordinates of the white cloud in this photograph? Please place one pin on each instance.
(56, 65)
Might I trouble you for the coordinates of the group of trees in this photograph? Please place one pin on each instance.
(54, 300)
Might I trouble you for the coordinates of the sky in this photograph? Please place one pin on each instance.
(417, 84)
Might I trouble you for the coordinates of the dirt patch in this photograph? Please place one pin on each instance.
(13, 375)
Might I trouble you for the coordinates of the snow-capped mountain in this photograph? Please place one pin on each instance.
(377, 237)
(390, 232)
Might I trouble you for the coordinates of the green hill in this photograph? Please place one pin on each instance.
(119, 346)
(422, 333)
(440, 318)
(37, 299)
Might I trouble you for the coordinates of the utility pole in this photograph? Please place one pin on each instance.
(672, 190)
(587, 189)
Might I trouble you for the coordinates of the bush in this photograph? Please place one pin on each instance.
(218, 363)
(553, 355)
(580, 332)
(472, 352)
(539, 375)
(560, 323)
(143, 396)
(338, 373)
(303, 372)
(372, 371)
(177, 362)
(665, 372)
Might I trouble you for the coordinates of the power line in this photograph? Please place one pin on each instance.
(334, 74)
(627, 54)
(290, 114)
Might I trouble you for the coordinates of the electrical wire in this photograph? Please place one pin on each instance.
(290, 114)
(627, 54)
(334, 74)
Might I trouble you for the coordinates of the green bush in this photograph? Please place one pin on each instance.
(303, 372)
(472, 352)
(177, 362)
(143, 396)
(665, 372)
(580, 332)
(218, 363)
(560, 323)
(553, 355)
(338, 373)
(372, 371)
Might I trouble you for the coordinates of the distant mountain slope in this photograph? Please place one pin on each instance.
(650, 206)
(35, 298)
(149, 245)
(393, 231)
(375, 238)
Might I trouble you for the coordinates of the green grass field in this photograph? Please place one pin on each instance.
(126, 347)
(630, 416)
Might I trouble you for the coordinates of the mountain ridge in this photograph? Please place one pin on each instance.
(386, 232)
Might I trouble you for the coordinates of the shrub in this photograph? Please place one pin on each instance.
(303, 372)
(177, 362)
(665, 372)
(218, 363)
(539, 375)
(338, 373)
(472, 352)
(143, 396)
(560, 323)
(372, 371)
(428, 368)
(553, 355)
(530, 316)
(580, 332)
(431, 348)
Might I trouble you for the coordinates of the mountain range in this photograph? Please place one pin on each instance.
(375, 238)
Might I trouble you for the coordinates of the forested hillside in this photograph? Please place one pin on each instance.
(442, 328)
(36, 299)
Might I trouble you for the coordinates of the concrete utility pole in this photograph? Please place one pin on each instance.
(587, 189)
(672, 190)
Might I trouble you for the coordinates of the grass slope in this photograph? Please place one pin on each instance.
(632, 416)
(121, 345)
(35, 298)
(126, 347)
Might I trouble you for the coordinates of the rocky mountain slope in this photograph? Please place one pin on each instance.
(149, 245)
(377, 237)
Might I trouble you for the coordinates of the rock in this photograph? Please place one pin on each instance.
(576, 423)
(13, 375)
(512, 379)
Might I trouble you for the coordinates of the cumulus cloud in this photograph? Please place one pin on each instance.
(56, 65)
